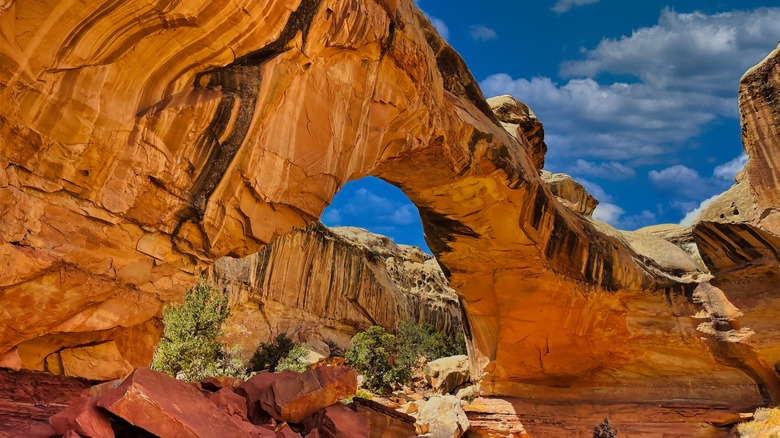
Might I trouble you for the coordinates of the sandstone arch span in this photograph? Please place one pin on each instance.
(142, 141)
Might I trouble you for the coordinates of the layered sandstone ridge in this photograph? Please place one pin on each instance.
(329, 283)
(143, 141)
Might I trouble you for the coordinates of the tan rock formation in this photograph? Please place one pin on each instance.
(142, 142)
(570, 193)
(521, 122)
(321, 283)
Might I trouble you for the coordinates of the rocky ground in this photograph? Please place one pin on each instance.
(28, 399)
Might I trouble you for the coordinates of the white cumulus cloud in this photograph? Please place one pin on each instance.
(693, 214)
(479, 32)
(680, 75)
(564, 5)
(729, 170)
(609, 213)
(607, 170)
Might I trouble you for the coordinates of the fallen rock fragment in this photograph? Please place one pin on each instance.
(338, 421)
(447, 373)
(444, 416)
(384, 422)
(84, 418)
(296, 396)
(168, 407)
(230, 403)
(254, 388)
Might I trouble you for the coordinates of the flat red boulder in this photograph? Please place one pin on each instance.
(84, 418)
(299, 395)
(229, 402)
(253, 388)
(338, 421)
(167, 407)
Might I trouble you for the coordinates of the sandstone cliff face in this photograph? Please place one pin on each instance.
(143, 141)
(570, 193)
(329, 283)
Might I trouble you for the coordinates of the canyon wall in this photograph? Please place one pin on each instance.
(143, 141)
(329, 283)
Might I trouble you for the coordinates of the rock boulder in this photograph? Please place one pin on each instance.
(447, 373)
(165, 406)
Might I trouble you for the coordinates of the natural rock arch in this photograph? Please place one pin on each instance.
(143, 141)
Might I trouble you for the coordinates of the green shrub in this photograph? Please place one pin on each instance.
(294, 361)
(361, 394)
(422, 340)
(385, 360)
(604, 430)
(190, 348)
(268, 356)
(370, 355)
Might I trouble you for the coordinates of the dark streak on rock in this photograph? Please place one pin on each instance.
(440, 231)
(238, 81)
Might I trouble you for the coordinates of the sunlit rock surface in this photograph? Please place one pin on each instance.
(143, 141)
(570, 193)
(330, 283)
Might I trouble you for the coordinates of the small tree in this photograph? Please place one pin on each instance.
(422, 340)
(295, 359)
(604, 430)
(371, 354)
(267, 356)
(385, 360)
(190, 348)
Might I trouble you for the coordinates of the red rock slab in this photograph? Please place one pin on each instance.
(253, 388)
(168, 407)
(214, 384)
(28, 399)
(11, 360)
(83, 417)
(297, 396)
(230, 402)
(384, 422)
(338, 421)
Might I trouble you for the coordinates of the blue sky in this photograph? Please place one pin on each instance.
(638, 99)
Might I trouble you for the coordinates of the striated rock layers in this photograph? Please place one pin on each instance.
(328, 283)
(143, 141)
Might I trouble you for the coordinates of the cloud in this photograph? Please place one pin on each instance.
(686, 187)
(595, 190)
(438, 23)
(692, 215)
(609, 213)
(729, 170)
(692, 51)
(479, 32)
(676, 77)
(612, 122)
(633, 222)
(680, 180)
(332, 216)
(405, 214)
(564, 5)
(609, 170)
(440, 26)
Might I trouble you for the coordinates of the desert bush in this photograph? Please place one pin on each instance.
(386, 360)
(416, 341)
(295, 359)
(190, 348)
(604, 430)
(269, 355)
(371, 355)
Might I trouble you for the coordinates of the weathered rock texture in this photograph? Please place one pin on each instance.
(571, 193)
(143, 141)
(321, 283)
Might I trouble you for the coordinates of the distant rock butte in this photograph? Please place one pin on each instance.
(145, 141)
(329, 283)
